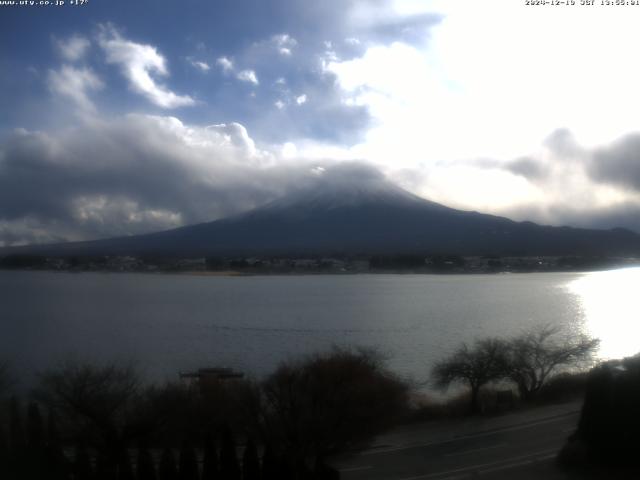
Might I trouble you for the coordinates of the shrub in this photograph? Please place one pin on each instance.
(330, 402)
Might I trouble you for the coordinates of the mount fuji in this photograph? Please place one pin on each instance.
(340, 216)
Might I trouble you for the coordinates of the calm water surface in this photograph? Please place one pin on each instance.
(168, 323)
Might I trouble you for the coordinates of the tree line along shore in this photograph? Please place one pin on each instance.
(304, 264)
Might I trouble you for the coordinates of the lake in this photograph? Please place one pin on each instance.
(169, 323)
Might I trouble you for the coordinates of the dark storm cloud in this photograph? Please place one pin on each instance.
(137, 174)
(561, 144)
(130, 176)
(618, 163)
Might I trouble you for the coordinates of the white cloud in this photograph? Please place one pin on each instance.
(138, 62)
(226, 64)
(279, 104)
(408, 101)
(73, 48)
(284, 43)
(248, 76)
(236, 135)
(202, 66)
(75, 84)
(132, 174)
(228, 67)
(301, 99)
(289, 150)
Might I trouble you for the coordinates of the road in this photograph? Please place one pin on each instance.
(522, 443)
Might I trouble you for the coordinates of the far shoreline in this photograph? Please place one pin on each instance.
(239, 273)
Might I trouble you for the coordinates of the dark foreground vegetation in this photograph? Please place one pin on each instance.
(606, 440)
(88, 422)
(84, 422)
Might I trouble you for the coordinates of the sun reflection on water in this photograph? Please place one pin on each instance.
(610, 302)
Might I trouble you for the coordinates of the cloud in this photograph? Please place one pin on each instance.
(411, 29)
(225, 64)
(453, 77)
(75, 84)
(134, 174)
(140, 173)
(234, 134)
(529, 168)
(566, 183)
(202, 66)
(291, 62)
(563, 143)
(138, 62)
(614, 164)
(618, 163)
(284, 43)
(73, 48)
(281, 45)
(248, 76)
(228, 68)
(292, 81)
(620, 215)
(349, 173)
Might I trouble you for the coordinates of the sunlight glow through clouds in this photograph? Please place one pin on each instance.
(495, 78)
(462, 186)
(544, 68)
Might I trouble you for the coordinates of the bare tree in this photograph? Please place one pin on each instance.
(538, 354)
(474, 366)
(95, 402)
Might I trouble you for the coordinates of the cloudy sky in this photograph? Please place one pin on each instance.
(122, 117)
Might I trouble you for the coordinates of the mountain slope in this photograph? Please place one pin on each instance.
(370, 217)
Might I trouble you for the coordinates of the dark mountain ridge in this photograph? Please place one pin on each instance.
(370, 217)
